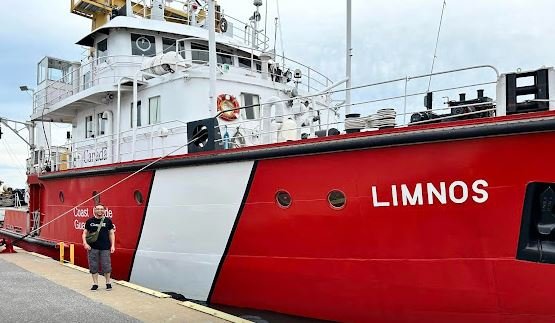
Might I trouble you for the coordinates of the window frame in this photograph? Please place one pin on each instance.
(102, 55)
(158, 114)
(255, 112)
(199, 49)
(101, 124)
(136, 51)
(89, 133)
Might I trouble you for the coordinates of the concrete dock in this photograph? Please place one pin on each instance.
(38, 289)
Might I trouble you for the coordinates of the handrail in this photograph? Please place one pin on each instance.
(70, 83)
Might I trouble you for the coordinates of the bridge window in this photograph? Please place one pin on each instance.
(199, 53)
(225, 57)
(102, 50)
(169, 45)
(143, 45)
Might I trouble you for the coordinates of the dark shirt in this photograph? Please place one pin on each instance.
(103, 241)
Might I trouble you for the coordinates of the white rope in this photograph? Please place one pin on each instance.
(437, 42)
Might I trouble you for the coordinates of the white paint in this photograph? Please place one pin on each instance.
(375, 198)
(440, 195)
(453, 195)
(411, 195)
(188, 223)
(482, 192)
(412, 199)
(394, 195)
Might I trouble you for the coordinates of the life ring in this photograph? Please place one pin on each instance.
(223, 25)
(228, 107)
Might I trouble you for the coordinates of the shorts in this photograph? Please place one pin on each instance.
(99, 261)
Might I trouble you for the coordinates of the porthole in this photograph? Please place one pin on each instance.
(283, 199)
(61, 196)
(96, 197)
(337, 199)
(138, 197)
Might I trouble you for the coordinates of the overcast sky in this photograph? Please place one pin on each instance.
(391, 39)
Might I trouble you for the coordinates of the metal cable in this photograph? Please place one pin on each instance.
(437, 42)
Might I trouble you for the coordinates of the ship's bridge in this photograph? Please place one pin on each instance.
(118, 50)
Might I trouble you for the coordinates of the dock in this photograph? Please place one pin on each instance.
(35, 288)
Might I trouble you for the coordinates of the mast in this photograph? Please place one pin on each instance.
(212, 56)
(348, 60)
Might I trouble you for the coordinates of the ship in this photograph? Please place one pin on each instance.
(236, 177)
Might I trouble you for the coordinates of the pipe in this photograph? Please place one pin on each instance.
(273, 101)
(118, 113)
(349, 54)
(212, 59)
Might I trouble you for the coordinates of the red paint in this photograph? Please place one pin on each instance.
(127, 214)
(432, 263)
(17, 221)
(453, 262)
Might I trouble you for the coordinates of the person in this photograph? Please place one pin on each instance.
(100, 250)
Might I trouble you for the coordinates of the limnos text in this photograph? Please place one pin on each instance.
(457, 192)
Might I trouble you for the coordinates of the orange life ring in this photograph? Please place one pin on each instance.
(228, 107)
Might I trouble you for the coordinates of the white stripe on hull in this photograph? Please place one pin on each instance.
(188, 222)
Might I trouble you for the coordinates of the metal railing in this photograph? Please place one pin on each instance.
(109, 69)
(101, 70)
(240, 31)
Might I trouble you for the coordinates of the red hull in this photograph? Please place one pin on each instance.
(452, 261)
(412, 263)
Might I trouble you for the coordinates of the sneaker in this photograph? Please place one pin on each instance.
(94, 288)
(108, 286)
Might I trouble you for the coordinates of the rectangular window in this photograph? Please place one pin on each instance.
(252, 100)
(143, 45)
(182, 50)
(101, 125)
(224, 57)
(89, 127)
(154, 110)
(244, 62)
(169, 45)
(244, 59)
(42, 70)
(131, 116)
(102, 50)
(139, 114)
(135, 115)
(199, 53)
(87, 80)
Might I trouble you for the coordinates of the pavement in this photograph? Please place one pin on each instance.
(38, 289)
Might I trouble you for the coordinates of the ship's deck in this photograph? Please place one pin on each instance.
(39, 289)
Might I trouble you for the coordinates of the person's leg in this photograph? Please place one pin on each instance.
(106, 263)
(94, 258)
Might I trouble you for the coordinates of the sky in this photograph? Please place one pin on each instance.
(391, 39)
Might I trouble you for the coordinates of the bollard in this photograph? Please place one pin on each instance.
(72, 254)
(61, 252)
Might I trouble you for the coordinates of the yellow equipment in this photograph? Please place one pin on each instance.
(99, 11)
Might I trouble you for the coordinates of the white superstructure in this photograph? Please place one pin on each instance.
(145, 79)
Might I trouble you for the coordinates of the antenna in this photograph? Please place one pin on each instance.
(349, 54)
(437, 42)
